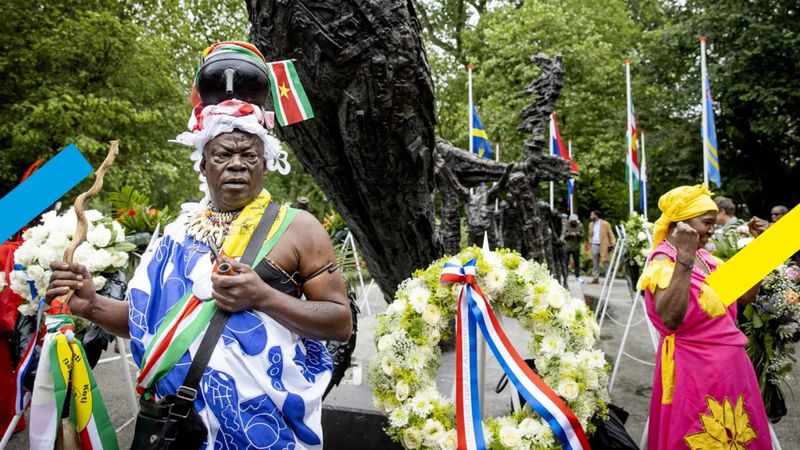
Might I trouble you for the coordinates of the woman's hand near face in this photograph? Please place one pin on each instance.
(685, 239)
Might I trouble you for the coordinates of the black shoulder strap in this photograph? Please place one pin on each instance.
(188, 391)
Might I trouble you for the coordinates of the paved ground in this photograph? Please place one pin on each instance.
(631, 391)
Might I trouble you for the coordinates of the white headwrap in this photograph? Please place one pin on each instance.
(208, 122)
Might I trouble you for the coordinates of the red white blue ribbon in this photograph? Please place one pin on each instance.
(26, 362)
(474, 312)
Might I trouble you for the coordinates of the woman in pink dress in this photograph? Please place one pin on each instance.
(705, 392)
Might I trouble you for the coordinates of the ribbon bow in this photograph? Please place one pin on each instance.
(475, 312)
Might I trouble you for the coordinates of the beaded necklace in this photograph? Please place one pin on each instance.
(697, 252)
(211, 224)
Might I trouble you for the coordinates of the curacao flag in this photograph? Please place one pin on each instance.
(709, 133)
(289, 97)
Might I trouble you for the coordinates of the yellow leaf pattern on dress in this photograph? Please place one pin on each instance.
(656, 275)
(710, 302)
(726, 428)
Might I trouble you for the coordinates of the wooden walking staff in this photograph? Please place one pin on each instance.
(61, 304)
(67, 437)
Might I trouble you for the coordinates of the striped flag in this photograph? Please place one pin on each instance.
(557, 145)
(288, 95)
(709, 133)
(632, 137)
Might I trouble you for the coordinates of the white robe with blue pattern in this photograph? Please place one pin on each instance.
(264, 384)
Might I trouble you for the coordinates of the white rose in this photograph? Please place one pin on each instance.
(59, 240)
(120, 232)
(568, 389)
(399, 417)
(448, 441)
(412, 438)
(99, 282)
(93, 215)
(641, 236)
(20, 285)
(401, 390)
(530, 427)
(432, 431)
(25, 255)
(645, 252)
(104, 260)
(46, 254)
(510, 437)
(119, 259)
(99, 235)
(38, 234)
(86, 255)
(431, 314)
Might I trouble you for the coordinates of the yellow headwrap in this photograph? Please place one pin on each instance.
(681, 203)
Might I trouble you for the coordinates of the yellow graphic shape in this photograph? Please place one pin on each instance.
(760, 257)
(284, 90)
(726, 428)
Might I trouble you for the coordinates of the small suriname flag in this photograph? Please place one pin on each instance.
(291, 102)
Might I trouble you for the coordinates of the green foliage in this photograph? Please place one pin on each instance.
(754, 49)
(132, 210)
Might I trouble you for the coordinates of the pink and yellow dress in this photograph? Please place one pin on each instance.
(705, 392)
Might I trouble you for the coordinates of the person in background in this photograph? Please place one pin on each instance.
(573, 235)
(727, 222)
(777, 212)
(602, 240)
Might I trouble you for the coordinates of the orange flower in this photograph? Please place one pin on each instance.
(153, 212)
(791, 297)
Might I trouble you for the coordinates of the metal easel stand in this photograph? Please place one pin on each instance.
(599, 306)
(349, 241)
(611, 278)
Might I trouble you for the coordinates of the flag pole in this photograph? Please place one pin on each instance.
(469, 107)
(643, 175)
(497, 158)
(629, 160)
(703, 105)
(569, 149)
(550, 148)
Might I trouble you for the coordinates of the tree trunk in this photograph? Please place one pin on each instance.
(370, 144)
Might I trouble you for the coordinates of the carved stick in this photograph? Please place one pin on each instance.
(80, 205)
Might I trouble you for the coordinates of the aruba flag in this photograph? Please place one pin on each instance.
(480, 140)
(709, 133)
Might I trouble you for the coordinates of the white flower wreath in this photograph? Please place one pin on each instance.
(563, 333)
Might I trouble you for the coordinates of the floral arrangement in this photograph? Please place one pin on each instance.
(133, 211)
(563, 335)
(105, 250)
(640, 233)
(772, 328)
(725, 245)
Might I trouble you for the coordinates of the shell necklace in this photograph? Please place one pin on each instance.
(211, 224)
(697, 252)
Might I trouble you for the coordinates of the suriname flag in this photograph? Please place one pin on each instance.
(289, 97)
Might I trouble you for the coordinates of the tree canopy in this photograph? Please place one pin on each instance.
(752, 59)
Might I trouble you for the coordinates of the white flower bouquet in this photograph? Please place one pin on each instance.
(105, 250)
